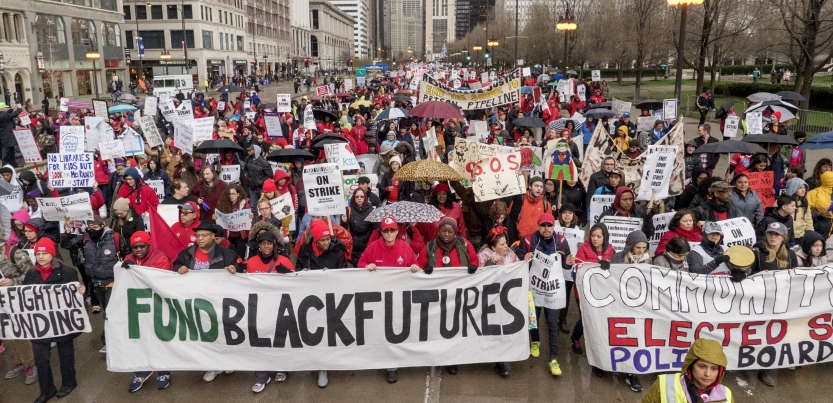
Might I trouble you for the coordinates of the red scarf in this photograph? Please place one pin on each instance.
(44, 271)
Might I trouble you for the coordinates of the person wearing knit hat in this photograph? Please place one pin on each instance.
(50, 271)
(567, 217)
(388, 186)
(121, 204)
(324, 251)
(269, 186)
(443, 200)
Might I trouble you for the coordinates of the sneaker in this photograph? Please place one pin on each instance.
(555, 369)
(535, 349)
(96, 308)
(323, 381)
(16, 370)
(766, 377)
(163, 381)
(393, 376)
(210, 375)
(260, 386)
(576, 347)
(31, 374)
(501, 369)
(103, 350)
(137, 383)
(281, 376)
(598, 372)
(53, 345)
(633, 381)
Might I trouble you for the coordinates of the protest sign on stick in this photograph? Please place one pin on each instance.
(656, 173)
(166, 105)
(284, 103)
(184, 137)
(63, 104)
(341, 154)
(70, 170)
(351, 183)
(669, 109)
(150, 106)
(28, 146)
(546, 281)
(273, 124)
(754, 123)
(203, 128)
(185, 111)
(72, 139)
(230, 173)
(132, 141)
(762, 183)
(282, 206)
(619, 228)
(497, 177)
(596, 75)
(111, 149)
(158, 186)
(152, 135)
(309, 118)
(730, 129)
(100, 109)
(660, 228)
(235, 221)
(324, 189)
(37, 312)
(73, 207)
(598, 205)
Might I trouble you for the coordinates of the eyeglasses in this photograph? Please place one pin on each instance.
(186, 212)
(546, 224)
(389, 230)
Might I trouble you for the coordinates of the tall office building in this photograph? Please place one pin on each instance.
(470, 13)
(440, 26)
(300, 31)
(268, 33)
(362, 12)
(403, 28)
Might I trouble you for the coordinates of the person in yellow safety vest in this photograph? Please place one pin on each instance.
(699, 380)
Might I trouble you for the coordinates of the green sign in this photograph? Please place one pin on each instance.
(361, 72)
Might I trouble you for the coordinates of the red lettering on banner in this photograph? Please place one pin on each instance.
(727, 332)
(650, 341)
(747, 332)
(513, 165)
(700, 328)
(678, 333)
(820, 331)
(614, 332)
(773, 339)
(492, 165)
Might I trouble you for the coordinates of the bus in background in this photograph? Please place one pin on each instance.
(170, 85)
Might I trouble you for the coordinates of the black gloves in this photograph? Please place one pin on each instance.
(721, 259)
(126, 264)
(472, 268)
(605, 264)
(428, 269)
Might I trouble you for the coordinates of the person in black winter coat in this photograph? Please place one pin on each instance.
(599, 179)
(771, 252)
(354, 221)
(7, 139)
(782, 212)
(213, 255)
(494, 215)
(157, 172)
(573, 192)
(51, 271)
(324, 252)
(256, 172)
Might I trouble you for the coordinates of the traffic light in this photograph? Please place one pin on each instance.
(306, 62)
(351, 62)
(486, 53)
(468, 57)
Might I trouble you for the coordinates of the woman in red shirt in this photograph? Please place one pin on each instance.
(682, 224)
(447, 249)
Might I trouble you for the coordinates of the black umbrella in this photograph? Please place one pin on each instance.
(333, 138)
(375, 81)
(650, 104)
(600, 113)
(728, 104)
(267, 106)
(230, 88)
(289, 155)
(730, 147)
(770, 138)
(319, 114)
(605, 105)
(401, 98)
(214, 145)
(529, 121)
(791, 96)
(325, 142)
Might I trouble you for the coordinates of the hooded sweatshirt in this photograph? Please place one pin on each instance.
(803, 218)
(155, 258)
(287, 186)
(803, 254)
(13, 201)
(635, 212)
(702, 349)
(21, 215)
(383, 255)
(819, 197)
(143, 197)
(626, 256)
(186, 235)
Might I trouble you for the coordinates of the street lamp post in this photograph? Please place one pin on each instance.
(476, 48)
(165, 55)
(567, 23)
(678, 82)
(139, 47)
(492, 43)
(94, 55)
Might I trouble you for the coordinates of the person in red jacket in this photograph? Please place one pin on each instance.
(407, 233)
(96, 198)
(390, 251)
(682, 224)
(142, 197)
(283, 184)
(448, 250)
(189, 218)
(144, 254)
(441, 199)
(102, 177)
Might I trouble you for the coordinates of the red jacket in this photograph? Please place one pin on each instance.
(155, 259)
(586, 254)
(256, 265)
(429, 230)
(422, 259)
(397, 255)
(96, 201)
(185, 234)
(416, 242)
(143, 198)
(101, 174)
(694, 235)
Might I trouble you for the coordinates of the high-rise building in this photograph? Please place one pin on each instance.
(299, 28)
(470, 13)
(403, 28)
(440, 26)
(268, 30)
(363, 12)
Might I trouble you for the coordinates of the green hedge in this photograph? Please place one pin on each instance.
(820, 97)
(746, 70)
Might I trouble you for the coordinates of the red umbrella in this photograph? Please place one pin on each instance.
(435, 110)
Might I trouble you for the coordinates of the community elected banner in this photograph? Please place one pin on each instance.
(546, 281)
(75, 207)
(70, 170)
(28, 146)
(497, 177)
(619, 228)
(324, 189)
(387, 318)
(72, 139)
(656, 173)
(35, 312)
(504, 90)
(643, 318)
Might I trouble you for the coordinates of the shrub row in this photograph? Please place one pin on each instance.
(820, 97)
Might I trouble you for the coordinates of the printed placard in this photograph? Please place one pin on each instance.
(158, 186)
(341, 154)
(731, 126)
(150, 106)
(166, 106)
(619, 229)
(324, 189)
(185, 111)
(737, 231)
(28, 146)
(71, 170)
(284, 103)
(184, 138)
(546, 281)
(273, 125)
(309, 118)
(132, 142)
(203, 128)
(596, 75)
(598, 205)
(660, 228)
(669, 109)
(100, 109)
(73, 207)
(656, 173)
(24, 118)
(63, 104)
(111, 149)
(282, 206)
(754, 123)
(351, 183)
(322, 90)
(230, 173)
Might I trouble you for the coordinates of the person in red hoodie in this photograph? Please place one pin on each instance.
(144, 254)
(96, 198)
(682, 224)
(283, 183)
(442, 199)
(189, 218)
(390, 251)
(142, 197)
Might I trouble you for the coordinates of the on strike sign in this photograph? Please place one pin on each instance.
(325, 193)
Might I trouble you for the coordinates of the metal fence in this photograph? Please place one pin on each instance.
(812, 122)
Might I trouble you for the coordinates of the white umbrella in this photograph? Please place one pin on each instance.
(763, 96)
(786, 110)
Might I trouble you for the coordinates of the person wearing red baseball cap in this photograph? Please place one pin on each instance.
(144, 254)
(49, 270)
(390, 251)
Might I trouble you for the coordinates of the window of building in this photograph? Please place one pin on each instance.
(88, 3)
(176, 39)
(111, 5)
(156, 12)
(129, 43)
(112, 34)
(141, 13)
(313, 40)
(173, 12)
(314, 19)
(50, 29)
(207, 40)
(127, 15)
(239, 43)
(83, 32)
(187, 12)
(153, 39)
